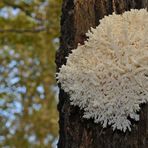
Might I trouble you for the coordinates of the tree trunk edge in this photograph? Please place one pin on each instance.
(76, 132)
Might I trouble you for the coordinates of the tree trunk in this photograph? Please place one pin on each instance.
(76, 132)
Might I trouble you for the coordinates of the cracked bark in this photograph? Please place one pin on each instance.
(75, 132)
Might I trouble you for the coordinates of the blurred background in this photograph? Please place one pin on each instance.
(29, 31)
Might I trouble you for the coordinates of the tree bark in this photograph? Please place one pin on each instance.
(76, 132)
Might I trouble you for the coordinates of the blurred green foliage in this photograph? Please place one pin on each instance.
(29, 31)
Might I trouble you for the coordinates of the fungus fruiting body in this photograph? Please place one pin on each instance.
(107, 77)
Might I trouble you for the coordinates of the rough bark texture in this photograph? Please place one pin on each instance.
(75, 132)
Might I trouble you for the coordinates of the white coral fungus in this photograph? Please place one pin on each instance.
(107, 77)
